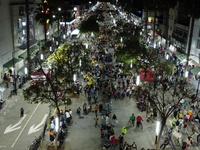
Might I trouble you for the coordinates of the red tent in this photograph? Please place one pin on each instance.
(149, 75)
(39, 75)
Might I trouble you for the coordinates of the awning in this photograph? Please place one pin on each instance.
(195, 71)
(181, 57)
(23, 55)
(75, 32)
(11, 63)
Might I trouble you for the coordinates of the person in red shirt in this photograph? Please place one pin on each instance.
(139, 119)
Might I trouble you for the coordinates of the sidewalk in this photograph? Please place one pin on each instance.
(5, 93)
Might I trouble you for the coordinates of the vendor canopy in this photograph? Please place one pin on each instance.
(75, 32)
(40, 75)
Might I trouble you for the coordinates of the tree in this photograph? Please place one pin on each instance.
(59, 78)
(90, 25)
(166, 99)
(130, 48)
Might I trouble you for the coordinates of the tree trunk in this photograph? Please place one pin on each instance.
(163, 122)
(146, 24)
(166, 32)
(45, 30)
(192, 19)
(154, 25)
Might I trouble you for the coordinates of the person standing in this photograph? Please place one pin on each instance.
(67, 114)
(5, 78)
(22, 112)
(51, 135)
(134, 146)
(165, 143)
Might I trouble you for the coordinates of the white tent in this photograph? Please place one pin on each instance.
(75, 32)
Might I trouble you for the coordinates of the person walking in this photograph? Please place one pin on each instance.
(100, 107)
(114, 120)
(124, 130)
(96, 108)
(132, 119)
(139, 120)
(198, 139)
(193, 127)
(185, 127)
(96, 121)
(78, 111)
(165, 143)
(22, 112)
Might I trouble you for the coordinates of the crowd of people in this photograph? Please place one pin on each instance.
(109, 82)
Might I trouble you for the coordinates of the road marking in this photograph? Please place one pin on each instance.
(25, 125)
(34, 128)
(11, 128)
(1, 146)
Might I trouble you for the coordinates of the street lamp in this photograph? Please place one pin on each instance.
(131, 65)
(197, 88)
(186, 74)
(167, 56)
(25, 71)
(41, 56)
(74, 77)
(157, 131)
(86, 45)
(138, 80)
(80, 63)
(121, 39)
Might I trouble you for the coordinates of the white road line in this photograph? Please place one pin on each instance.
(25, 125)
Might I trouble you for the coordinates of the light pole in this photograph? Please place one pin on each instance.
(157, 131)
(138, 80)
(197, 88)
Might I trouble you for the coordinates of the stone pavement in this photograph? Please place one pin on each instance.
(82, 134)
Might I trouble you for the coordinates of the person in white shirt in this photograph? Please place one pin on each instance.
(67, 116)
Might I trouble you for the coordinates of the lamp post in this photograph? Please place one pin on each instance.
(138, 80)
(197, 88)
(167, 56)
(131, 65)
(59, 11)
(157, 131)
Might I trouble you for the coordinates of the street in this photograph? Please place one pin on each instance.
(17, 132)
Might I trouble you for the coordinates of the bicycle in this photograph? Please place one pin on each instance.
(36, 143)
